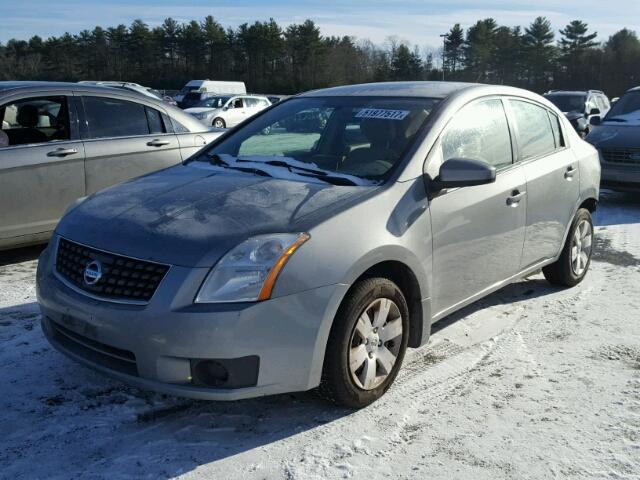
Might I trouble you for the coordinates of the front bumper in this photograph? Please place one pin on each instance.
(620, 177)
(155, 346)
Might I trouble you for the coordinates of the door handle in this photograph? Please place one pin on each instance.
(62, 152)
(158, 143)
(514, 199)
(570, 172)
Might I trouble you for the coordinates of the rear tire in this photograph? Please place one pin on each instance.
(366, 344)
(573, 264)
(219, 123)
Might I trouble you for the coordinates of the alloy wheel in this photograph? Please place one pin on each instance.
(375, 343)
(581, 245)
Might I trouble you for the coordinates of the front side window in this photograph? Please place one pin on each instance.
(479, 132)
(35, 120)
(535, 135)
(363, 137)
(214, 102)
(237, 103)
(110, 117)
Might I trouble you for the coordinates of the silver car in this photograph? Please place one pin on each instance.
(225, 111)
(64, 141)
(313, 258)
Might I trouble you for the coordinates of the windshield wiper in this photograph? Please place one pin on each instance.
(219, 162)
(306, 171)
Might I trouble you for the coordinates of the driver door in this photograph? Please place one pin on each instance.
(237, 112)
(478, 231)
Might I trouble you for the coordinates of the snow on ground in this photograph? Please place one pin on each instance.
(531, 382)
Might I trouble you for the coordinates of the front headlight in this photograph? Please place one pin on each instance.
(248, 272)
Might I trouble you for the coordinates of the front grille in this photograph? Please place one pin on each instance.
(96, 352)
(123, 278)
(622, 155)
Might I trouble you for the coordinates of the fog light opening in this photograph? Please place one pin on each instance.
(210, 373)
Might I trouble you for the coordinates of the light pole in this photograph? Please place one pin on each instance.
(444, 51)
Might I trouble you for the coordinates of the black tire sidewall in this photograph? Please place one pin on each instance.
(570, 278)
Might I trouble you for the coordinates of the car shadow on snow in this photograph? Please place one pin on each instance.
(19, 255)
(617, 208)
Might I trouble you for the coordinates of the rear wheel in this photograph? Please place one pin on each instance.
(219, 123)
(573, 264)
(366, 345)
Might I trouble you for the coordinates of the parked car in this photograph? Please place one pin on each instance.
(133, 87)
(227, 111)
(579, 107)
(617, 138)
(279, 263)
(200, 89)
(277, 98)
(67, 141)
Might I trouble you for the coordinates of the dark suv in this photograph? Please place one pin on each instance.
(617, 138)
(580, 106)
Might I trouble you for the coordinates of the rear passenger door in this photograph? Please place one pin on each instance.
(124, 139)
(42, 167)
(552, 175)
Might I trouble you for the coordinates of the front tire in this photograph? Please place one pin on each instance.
(219, 123)
(573, 264)
(366, 345)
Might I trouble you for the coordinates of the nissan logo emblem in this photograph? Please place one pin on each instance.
(92, 272)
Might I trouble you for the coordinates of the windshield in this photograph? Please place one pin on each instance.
(628, 103)
(361, 137)
(187, 89)
(213, 102)
(568, 103)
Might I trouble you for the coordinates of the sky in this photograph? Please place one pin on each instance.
(417, 22)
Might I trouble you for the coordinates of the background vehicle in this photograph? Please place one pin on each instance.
(286, 261)
(227, 111)
(68, 140)
(579, 107)
(133, 87)
(211, 87)
(617, 138)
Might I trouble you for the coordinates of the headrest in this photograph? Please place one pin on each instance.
(378, 131)
(28, 116)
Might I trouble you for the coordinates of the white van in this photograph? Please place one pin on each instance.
(211, 86)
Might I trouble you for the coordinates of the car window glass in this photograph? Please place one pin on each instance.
(479, 132)
(535, 136)
(155, 121)
(557, 130)
(35, 120)
(179, 127)
(359, 136)
(110, 117)
(251, 102)
(237, 103)
(628, 103)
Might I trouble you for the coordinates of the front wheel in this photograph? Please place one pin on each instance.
(571, 268)
(366, 345)
(219, 123)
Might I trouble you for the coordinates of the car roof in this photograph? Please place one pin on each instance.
(37, 86)
(634, 89)
(395, 89)
(567, 92)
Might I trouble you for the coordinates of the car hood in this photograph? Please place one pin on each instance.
(573, 115)
(191, 216)
(200, 110)
(616, 135)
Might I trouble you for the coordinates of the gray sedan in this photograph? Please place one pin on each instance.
(63, 141)
(314, 258)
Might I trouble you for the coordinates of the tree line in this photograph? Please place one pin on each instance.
(273, 59)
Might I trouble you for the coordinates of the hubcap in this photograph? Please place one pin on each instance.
(581, 247)
(375, 343)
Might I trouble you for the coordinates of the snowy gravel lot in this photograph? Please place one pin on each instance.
(531, 382)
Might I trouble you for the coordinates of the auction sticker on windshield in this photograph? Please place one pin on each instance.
(382, 114)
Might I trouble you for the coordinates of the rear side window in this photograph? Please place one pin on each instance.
(557, 130)
(155, 121)
(479, 132)
(535, 135)
(110, 117)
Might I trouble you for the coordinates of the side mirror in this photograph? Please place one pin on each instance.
(595, 120)
(594, 111)
(463, 172)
